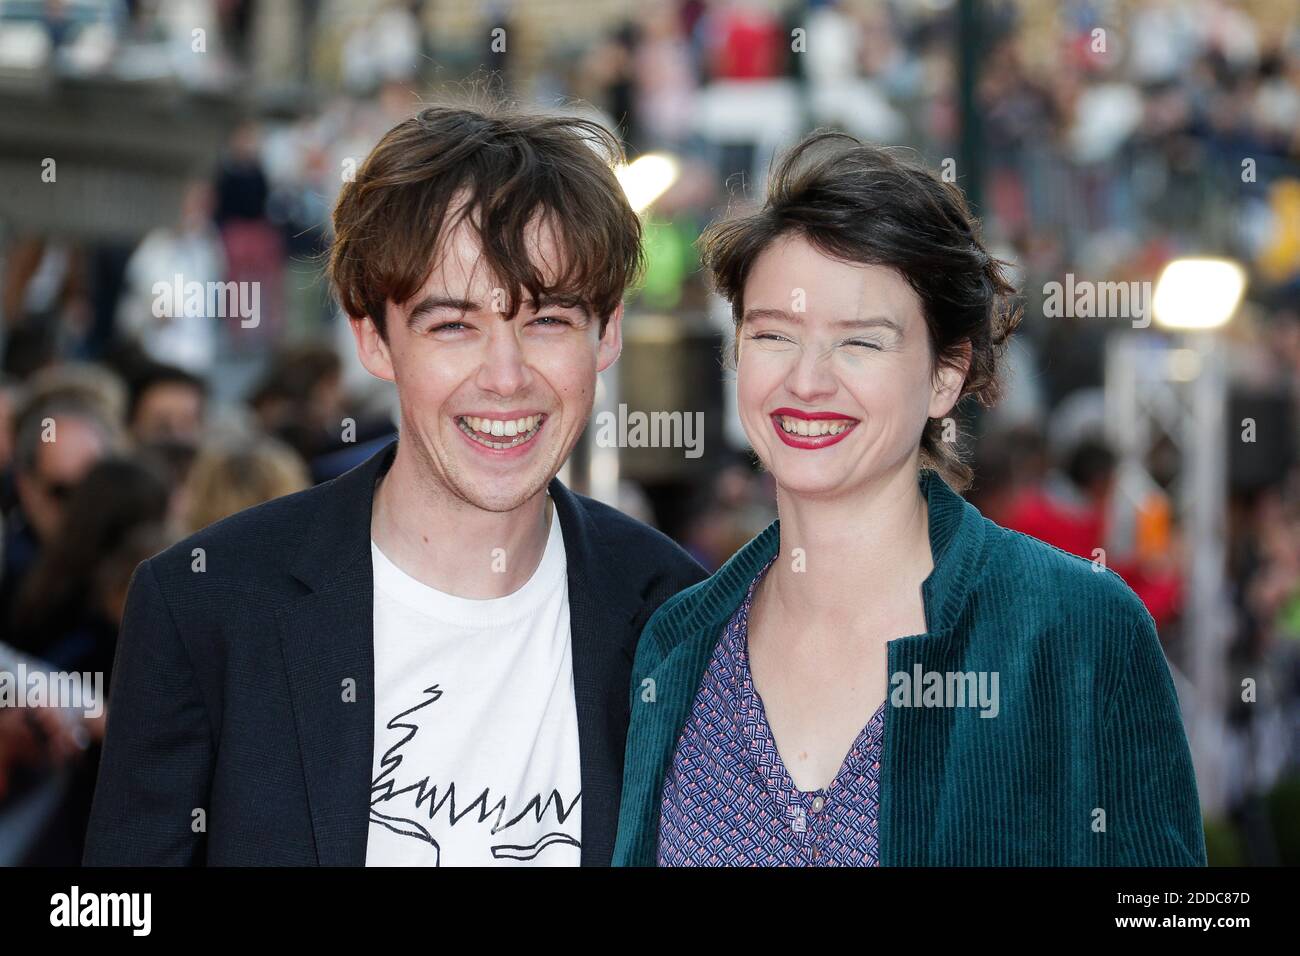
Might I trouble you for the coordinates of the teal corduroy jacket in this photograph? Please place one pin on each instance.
(1085, 764)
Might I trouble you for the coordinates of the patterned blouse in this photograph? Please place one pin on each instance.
(728, 799)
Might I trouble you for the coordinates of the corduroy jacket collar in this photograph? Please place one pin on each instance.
(957, 533)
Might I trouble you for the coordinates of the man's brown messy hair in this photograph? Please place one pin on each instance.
(513, 165)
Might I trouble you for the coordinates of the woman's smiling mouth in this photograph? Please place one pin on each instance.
(811, 430)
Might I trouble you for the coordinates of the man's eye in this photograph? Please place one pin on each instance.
(447, 327)
(864, 344)
(769, 337)
(551, 320)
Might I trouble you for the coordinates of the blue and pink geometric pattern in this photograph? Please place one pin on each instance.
(728, 799)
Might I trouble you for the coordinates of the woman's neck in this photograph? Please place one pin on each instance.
(852, 557)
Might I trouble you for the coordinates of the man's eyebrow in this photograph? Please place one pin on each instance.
(866, 322)
(431, 303)
(560, 302)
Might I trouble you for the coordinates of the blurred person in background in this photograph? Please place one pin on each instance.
(58, 613)
(1069, 508)
(1075, 507)
(11, 393)
(787, 729)
(59, 436)
(300, 400)
(229, 476)
(253, 247)
(734, 507)
(67, 615)
(1007, 461)
(191, 250)
(167, 404)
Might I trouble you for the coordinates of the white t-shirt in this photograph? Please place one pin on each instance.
(476, 728)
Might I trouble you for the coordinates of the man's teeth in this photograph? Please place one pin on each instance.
(811, 429)
(517, 430)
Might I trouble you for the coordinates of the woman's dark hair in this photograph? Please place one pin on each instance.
(389, 220)
(865, 204)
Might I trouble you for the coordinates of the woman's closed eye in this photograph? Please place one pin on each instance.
(768, 337)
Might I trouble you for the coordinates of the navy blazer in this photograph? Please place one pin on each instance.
(231, 738)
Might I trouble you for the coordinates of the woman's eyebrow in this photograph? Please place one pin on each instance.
(865, 322)
(781, 314)
(870, 322)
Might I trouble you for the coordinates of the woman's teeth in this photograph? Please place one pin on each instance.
(516, 431)
(811, 429)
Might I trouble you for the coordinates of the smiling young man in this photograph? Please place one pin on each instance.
(424, 661)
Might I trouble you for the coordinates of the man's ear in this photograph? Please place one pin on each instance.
(372, 350)
(949, 378)
(611, 341)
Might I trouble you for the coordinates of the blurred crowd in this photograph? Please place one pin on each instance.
(1175, 128)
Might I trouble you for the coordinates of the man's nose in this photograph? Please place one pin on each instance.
(504, 369)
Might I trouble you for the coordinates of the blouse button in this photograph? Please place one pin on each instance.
(818, 802)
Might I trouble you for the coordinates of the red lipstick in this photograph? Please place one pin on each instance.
(810, 442)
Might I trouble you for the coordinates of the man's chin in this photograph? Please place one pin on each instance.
(494, 495)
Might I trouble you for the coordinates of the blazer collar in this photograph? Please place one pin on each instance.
(339, 539)
(327, 637)
(957, 539)
(603, 602)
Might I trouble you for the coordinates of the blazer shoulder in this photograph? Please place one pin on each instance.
(673, 621)
(247, 544)
(635, 542)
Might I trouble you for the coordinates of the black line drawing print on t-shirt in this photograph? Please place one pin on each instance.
(388, 787)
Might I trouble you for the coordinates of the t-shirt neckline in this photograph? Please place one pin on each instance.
(450, 608)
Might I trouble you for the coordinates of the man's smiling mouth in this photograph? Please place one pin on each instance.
(501, 433)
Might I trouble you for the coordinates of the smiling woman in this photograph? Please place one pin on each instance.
(842, 207)
(866, 307)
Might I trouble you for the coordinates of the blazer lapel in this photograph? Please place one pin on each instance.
(327, 638)
(603, 605)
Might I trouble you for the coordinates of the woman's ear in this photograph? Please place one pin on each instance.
(949, 378)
